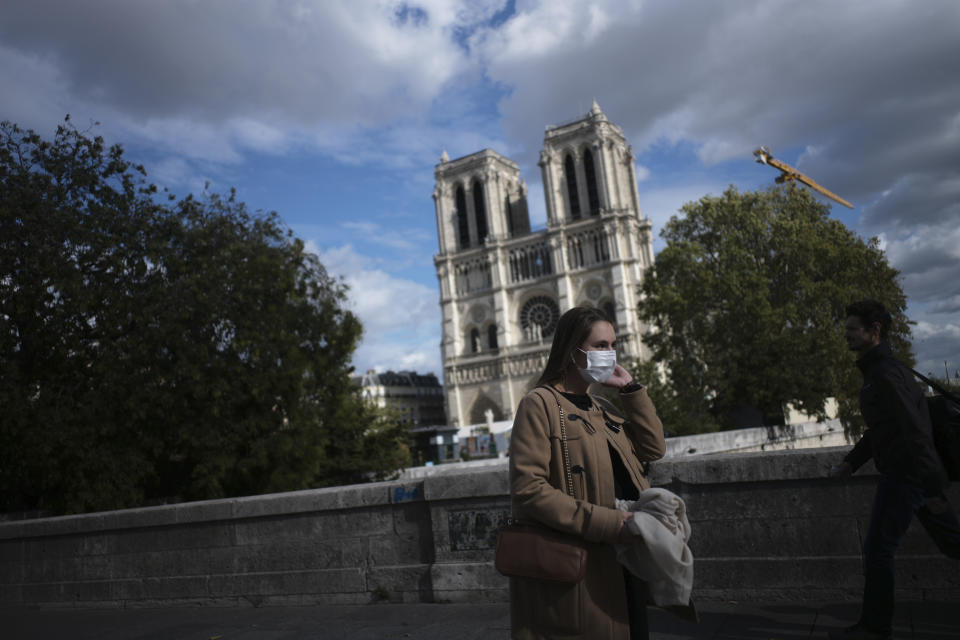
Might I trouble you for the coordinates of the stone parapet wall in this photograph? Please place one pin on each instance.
(803, 435)
(766, 526)
(770, 526)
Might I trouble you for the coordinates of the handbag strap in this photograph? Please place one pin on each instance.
(568, 478)
(935, 386)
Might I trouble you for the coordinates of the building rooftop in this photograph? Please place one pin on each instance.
(397, 379)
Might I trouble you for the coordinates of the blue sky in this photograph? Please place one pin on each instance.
(334, 113)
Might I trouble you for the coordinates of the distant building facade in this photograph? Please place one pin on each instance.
(434, 444)
(417, 397)
(503, 287)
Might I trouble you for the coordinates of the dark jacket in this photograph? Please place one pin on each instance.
(899, 437)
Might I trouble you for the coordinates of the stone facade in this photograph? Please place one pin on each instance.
(418, 397)
(503, 286)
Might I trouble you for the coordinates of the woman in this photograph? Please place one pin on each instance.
(605, 455)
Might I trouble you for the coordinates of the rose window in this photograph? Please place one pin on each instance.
(540, 312)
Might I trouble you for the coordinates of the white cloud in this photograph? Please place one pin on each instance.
(218, 79)
(866, 89)
(947, 304)
(173, 170)
(39, 101)
(363, 227)
(937, 347)
(401, 318)
(915, 199)
(259, 136)
(407, 240)
(661, 203)
(731, 76)
(219, 59)
(928, 256)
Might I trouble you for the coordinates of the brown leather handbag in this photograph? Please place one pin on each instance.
(527, 550)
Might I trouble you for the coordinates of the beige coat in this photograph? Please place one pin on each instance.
(596, 607)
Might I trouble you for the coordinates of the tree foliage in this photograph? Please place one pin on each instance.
(153, 349)
(746, 306)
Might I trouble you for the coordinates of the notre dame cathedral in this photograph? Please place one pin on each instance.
(503, 286)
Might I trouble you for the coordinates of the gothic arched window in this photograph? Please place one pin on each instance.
(611, 312)
(508, 209)
(474, 340)
(462, 224)
(593, 194)
(480, 211)
(492, 336)
(572, 192)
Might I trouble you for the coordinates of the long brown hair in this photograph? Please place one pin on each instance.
(572, 330)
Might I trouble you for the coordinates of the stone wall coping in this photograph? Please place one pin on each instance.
(735, 440)
(454, 484)
(757, 466)
(307, 500)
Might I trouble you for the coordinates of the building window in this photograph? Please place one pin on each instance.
(474, 340)
(508, 209)
(480, 211)
(611, 311)
(492, 336)
(572, 192)
(593, 194)
(462, 223)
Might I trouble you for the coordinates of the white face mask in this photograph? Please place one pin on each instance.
(600, 365)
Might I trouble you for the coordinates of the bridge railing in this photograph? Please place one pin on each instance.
(766, 526)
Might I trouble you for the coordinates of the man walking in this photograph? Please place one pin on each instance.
(912, 479)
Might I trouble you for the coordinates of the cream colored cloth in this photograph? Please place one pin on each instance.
(662, 558)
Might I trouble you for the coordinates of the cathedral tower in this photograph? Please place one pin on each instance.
(503, 287)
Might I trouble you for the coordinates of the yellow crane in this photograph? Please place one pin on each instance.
(788, 174)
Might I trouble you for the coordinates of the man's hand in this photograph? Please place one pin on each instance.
(841, 470)
(935, 505)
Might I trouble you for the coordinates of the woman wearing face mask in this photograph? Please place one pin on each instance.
(605, 451)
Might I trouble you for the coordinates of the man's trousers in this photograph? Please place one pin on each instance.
(894, 506)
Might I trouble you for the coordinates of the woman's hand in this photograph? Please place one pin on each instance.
(619, 378)
(623, 535)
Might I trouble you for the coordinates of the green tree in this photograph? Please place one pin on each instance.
(154, 350)
(746, 306)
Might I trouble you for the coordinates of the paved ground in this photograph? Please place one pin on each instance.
(917, 621)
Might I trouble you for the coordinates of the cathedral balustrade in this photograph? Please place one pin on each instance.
(473, 275)
(522, 364)
(588, 248)
(526, 364)
(530, 261)
(479, 372)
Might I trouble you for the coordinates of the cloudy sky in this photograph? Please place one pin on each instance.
(335, 113)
